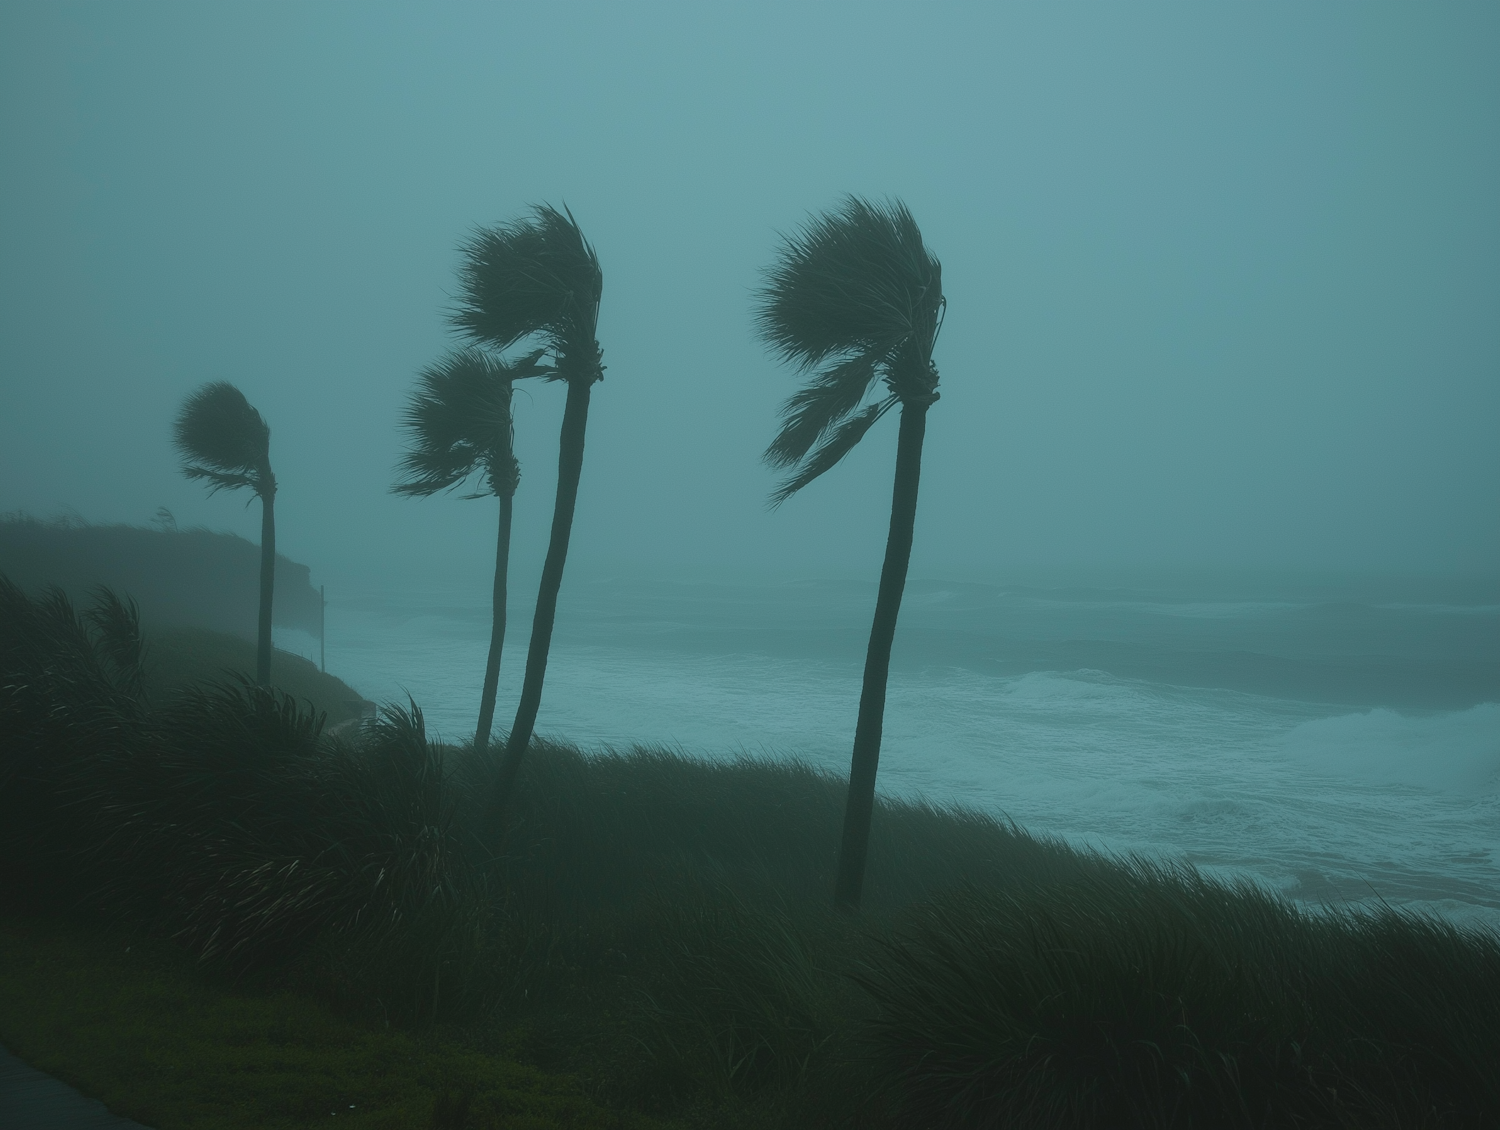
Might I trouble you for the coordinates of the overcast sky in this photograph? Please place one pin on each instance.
(1223, 280)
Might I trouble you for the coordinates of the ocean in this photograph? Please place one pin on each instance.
(1340, 743)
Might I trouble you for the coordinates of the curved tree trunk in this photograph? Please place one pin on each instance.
(267, 586)
(569, 468)
(497, 628)
(861, 797)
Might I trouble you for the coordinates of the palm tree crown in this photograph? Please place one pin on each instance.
(535, 277)
(459, 424)
(224, 440)
(854, 297)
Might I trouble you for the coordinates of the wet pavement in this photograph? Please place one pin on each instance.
(33, 1100)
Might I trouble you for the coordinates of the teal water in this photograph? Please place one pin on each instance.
(1342, 746)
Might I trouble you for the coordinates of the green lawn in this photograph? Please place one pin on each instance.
(134, 1025)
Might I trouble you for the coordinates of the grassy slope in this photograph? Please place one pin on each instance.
(179, 657)
(694, 898)
(132, 1024)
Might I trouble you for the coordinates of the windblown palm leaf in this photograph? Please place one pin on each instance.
(223, 439)
(839, 442)
(856, 296)
(459, 424)
(536, 276)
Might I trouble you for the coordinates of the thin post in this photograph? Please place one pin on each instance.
(263, 644)
(323, 628)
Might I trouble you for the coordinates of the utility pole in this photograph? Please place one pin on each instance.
(323, 628)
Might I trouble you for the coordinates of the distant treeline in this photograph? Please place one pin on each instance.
(180, 578)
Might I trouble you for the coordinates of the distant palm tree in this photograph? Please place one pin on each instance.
(224, 441)
(856, 297)
(539, 278)
(459, 424)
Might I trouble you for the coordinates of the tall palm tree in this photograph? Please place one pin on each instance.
(855, 298)
(538, 278)
(224, 441)
(458, 422)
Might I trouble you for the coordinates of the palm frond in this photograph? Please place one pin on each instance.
(222, 439)
(810, 412)
(833, 449)
(458, 423)
(116, 621)
(851, 281)
(534, 276)
(218, 480)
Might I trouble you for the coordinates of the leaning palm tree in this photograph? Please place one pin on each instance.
(538, 278)
(458, 422)
(224, 441)
(855, 298)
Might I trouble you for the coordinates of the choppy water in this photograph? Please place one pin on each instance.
(1337, 749)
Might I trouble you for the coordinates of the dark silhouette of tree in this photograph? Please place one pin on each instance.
(854, 298)
(224, 441)
(458, 425)
(539, 278)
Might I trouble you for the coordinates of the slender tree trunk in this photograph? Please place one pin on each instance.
(861, 797)
(497, 628)
(569, 467)
(267, 586)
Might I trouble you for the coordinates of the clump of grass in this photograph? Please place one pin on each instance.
(1157, 998)
(741, 1001)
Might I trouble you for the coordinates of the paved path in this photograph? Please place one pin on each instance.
(31, 1100)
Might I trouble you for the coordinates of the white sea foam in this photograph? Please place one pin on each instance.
(1454, 752)
(1327, 803)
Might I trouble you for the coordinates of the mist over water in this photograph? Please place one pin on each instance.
(1375, 776)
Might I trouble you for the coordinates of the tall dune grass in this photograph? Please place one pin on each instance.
(663, 926)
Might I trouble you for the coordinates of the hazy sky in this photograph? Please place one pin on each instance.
(1223, 279)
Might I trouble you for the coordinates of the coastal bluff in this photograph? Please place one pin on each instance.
(192, 578)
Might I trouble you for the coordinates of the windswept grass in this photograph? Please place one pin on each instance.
(1157, 998)
(661, 928)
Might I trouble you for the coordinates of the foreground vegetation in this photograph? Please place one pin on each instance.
(130, 1021)
(659, 928)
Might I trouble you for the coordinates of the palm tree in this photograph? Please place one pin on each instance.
(855, 298)
(224, 441)
(539, 278)
(459, 425)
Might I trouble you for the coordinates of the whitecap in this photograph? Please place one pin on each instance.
(1453, 752)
